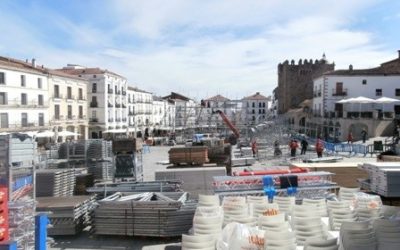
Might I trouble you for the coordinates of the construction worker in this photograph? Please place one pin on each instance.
(304, 145)
(277, 150)
(254, 147)
(319, 147)
(293, 146)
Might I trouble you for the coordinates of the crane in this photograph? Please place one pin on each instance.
(232, 127)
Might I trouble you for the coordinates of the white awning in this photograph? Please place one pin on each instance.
(114, 131)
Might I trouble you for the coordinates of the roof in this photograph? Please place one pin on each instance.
(217, 98)
(387, 68)
(256, 96)
(177, 96)
(87, 71)
(138, 90)
(21, 65)
(63, 74)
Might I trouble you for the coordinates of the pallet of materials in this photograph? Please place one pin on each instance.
(67, 215)
(383, 178)
(188, 155)
(165, 214)
(55, 182)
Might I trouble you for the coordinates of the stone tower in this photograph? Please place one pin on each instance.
(295, 81)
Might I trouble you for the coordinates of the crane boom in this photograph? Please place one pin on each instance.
(228, 123)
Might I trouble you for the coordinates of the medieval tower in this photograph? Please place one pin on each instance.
(295, 81)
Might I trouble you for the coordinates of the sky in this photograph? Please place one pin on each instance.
(199, 48)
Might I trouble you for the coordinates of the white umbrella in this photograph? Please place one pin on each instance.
(345, 100)
(67, 133)
(384, 100)
(31, 133)
(361, 100)
(45, 134)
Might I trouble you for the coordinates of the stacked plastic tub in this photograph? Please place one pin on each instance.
(339, 212)
(207, 224)
(357, 236)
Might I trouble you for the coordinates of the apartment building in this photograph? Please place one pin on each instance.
(140, 110)
(107, 97)
(24, 98)
(68, 104)
(255, 108)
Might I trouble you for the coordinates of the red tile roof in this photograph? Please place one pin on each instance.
(88, 71)
(217, 98)
(256, 96)
(20, 65)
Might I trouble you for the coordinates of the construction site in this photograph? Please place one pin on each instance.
(237, 187)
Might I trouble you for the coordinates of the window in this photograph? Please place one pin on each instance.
(263, 104)
(39, 83)
(253, 105)
(56, 91)
(80, 94)
(94, 99)
(259, 105)
(40, 100)
(69, 112)
(94, 76)
(57, 112)
(3, 120)
(364, 82)
(23, 80)
(69, 93)
(378, 92)
(94, 88)
(3, 98)
(2, 78)
(24, 119)
(81, 112)
(94, 114)
(41, 119)
(24, 99)
(397, 92)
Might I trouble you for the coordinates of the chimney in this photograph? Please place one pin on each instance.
(257, 93)
(350, 67)
(34, 62)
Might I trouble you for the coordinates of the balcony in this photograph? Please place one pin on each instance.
(110, 91)
(117, 105)
(317, 93)
(94, 105)
(82, 98)
(110, 119)
(131, 113)
(339, 92)
(29, 104)
(70, 97)
(94, 120)
(118, 92)
(82, 117)
(110, 105)
(118, 120)
(58, 96)
(124, 119)
(123, 92)
(71, 117)
(18, 127)
(123, 105)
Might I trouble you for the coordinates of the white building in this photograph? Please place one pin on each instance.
(255, 108)
(68, 104)
(185, 111)
(372, 83)
(24, 97)
(107, 97)
(231, 108)
(141, 111)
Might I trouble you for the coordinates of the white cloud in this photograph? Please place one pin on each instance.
(204, 47)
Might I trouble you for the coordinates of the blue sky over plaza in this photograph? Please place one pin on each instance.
(200, 48)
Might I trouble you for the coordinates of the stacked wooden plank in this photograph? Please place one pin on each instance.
(68, 215)
(188, 155)
(144, 214)
(55, 182)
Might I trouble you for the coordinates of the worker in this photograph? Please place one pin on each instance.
(277, 150)
(350, 138)
(319, 147)
(254, 147)
(364, 135)
(304, 145)
(293, 146)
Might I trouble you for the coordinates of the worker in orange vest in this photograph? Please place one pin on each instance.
(319, 147)
(293, 146)
(254, 147)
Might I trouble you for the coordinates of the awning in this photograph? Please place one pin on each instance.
(115, 131)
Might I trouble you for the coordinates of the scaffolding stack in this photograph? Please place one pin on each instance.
(55, 182)
(145, 214)
(99, 159)
(68, 215)
(17, 170)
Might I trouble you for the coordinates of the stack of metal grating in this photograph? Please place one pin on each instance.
(100, 159)
(145, 214)
(383, 178)
(18, 158)
(105, 188)
(55, 182)
(68, 215)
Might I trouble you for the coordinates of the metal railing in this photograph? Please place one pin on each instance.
(339, 92)
(20, 126)
(93, 104)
